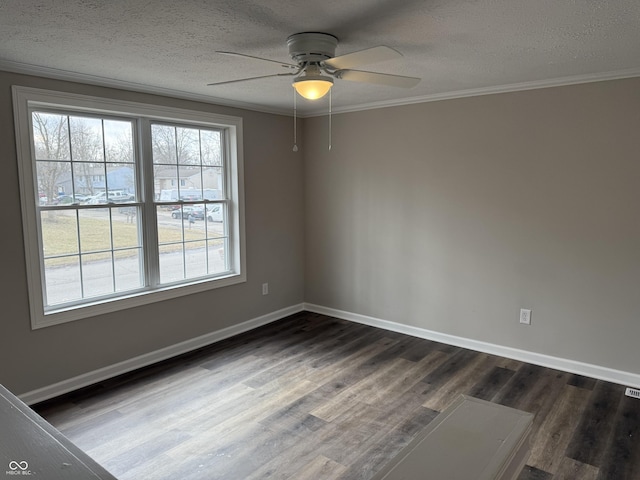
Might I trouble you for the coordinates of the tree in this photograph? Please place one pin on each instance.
(87, 150)
(210, 147)
(186, 146)
(51, 141)
(64, 142)
(173, 145)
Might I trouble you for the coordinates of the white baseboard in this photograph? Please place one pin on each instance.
(111, 371)
(564, 364)
(89, 378)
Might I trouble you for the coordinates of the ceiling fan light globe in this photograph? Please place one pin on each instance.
(312, 88)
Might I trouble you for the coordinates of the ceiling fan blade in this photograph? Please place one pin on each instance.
(253, 78)
(363, 57)
(377, 78)
(282, 64)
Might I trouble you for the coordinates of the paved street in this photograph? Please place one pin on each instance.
(63, 282)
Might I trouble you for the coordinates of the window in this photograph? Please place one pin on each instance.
(125, 203)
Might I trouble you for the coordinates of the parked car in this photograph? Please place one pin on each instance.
(215, 213)
(115, 196)
(64, 199)
(196, 212)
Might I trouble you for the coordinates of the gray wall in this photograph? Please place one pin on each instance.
(452, 215)
(274, 232)
(448, 216)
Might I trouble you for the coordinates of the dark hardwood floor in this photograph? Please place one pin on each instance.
(313, 397)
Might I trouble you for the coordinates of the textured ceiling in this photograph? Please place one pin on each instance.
(457, 47)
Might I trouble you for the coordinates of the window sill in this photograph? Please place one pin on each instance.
(130, 300)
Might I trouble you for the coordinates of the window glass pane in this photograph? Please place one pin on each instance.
(188, 146)
(86, 139)
(83, 179)
(165, 183)
(128, 269)
(217, 258)
(210, 147)
(95, 230)
(171, 263)
(126, 231)
(216, 226)
(54, 178)
(195, 259)
(59, 232)
(118, 141)
(50, 136)
(213, 181)
(193, 222)
(190, 183)
(96, 175)
(97, 274)
(163, 141)
(121, 183)
(62, 280)
(169, 223)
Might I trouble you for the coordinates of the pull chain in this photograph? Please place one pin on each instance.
(329, 119)
(295, 123)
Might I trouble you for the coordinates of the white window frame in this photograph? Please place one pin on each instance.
(24, 98)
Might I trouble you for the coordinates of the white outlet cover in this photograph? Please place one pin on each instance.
(525, 316)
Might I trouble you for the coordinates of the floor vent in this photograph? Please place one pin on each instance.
(633, 392)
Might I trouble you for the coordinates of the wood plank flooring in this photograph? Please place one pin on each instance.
(314, 397)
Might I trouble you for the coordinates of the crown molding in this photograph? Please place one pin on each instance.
(474, 92)
(57, 74)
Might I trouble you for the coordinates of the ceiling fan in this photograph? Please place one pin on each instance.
(316, 65)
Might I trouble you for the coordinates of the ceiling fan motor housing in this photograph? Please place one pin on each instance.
(312, 47)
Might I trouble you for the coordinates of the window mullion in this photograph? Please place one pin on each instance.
(149, 222)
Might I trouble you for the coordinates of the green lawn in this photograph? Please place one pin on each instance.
(60, 235)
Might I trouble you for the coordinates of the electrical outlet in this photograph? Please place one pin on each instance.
(265, 289)
(632, 392)
(525, 316)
